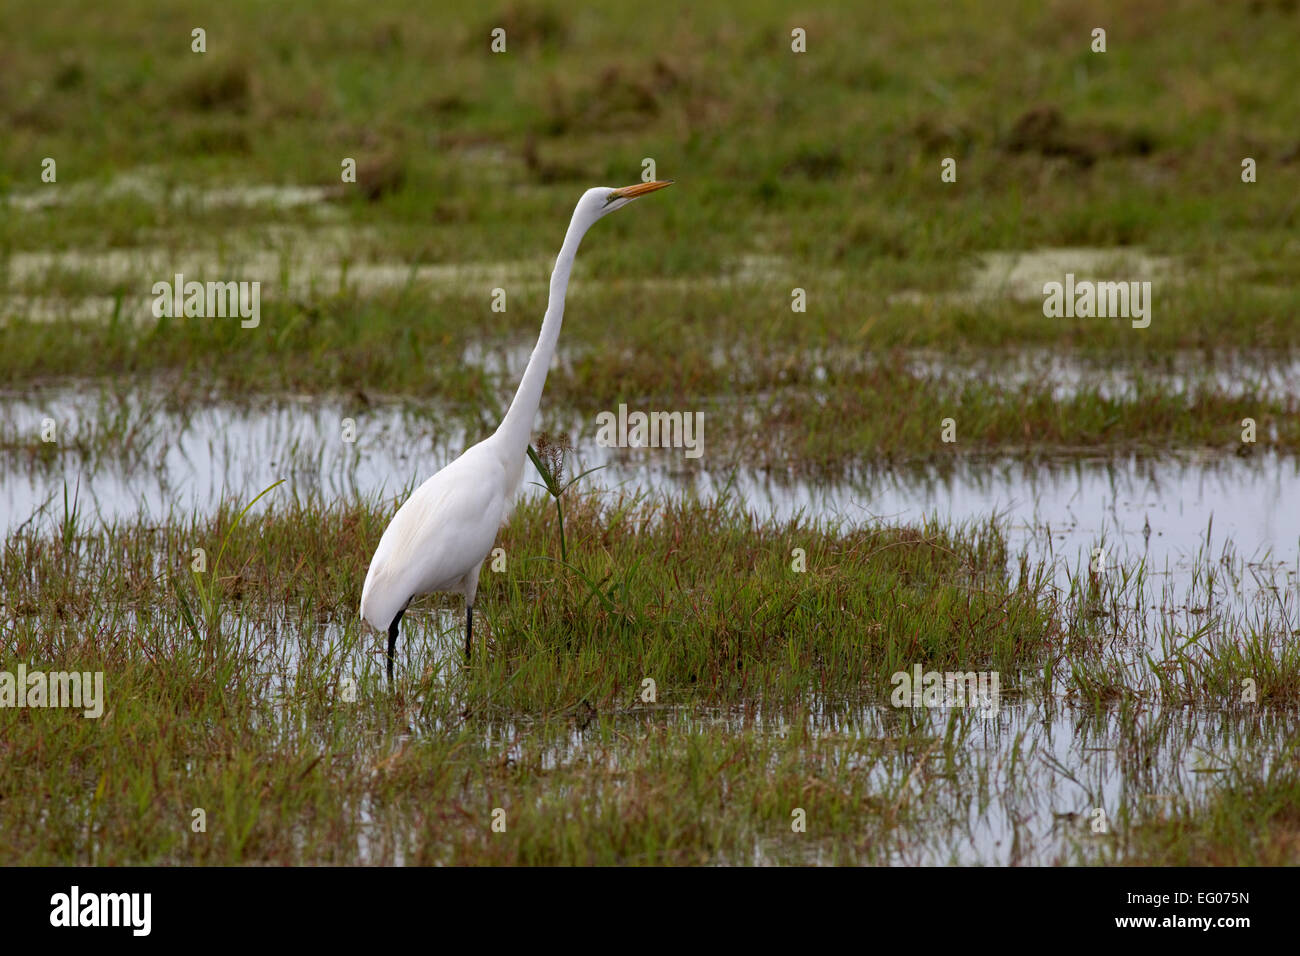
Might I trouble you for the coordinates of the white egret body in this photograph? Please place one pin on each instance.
(439, 538)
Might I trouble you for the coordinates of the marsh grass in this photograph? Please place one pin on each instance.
(1251, 820)
(820, 421)
(770, 685)
(1124, 151)
(703, 595)
(251, 726)
(1224, 638)
(819, 172)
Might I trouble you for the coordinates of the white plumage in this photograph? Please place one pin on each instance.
(439, 538)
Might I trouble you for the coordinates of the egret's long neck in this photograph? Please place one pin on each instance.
(516, 429)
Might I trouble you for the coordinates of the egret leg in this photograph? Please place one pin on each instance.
(392, 643)
(469, 628)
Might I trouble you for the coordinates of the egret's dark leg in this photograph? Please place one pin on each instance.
(392, 643)
(469, 627)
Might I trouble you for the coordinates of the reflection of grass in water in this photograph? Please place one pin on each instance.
(1251, 819)
(817, 417)
(707, 603)
(1223, 638)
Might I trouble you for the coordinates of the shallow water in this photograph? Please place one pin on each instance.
(147, 183)
(1023, 786)
(1064, 376)
(1020, 274)
(1024, 783)
(1174, 513)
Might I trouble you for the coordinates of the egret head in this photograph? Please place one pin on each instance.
(603, 200)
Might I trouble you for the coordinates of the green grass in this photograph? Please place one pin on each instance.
(229, 692)
(768, 686)
(824, 417)
(823, 167)
(727, 619)
(1251, 821)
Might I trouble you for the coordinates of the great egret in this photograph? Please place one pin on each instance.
(440, 537)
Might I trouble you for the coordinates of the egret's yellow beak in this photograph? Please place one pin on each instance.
(639, 189)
